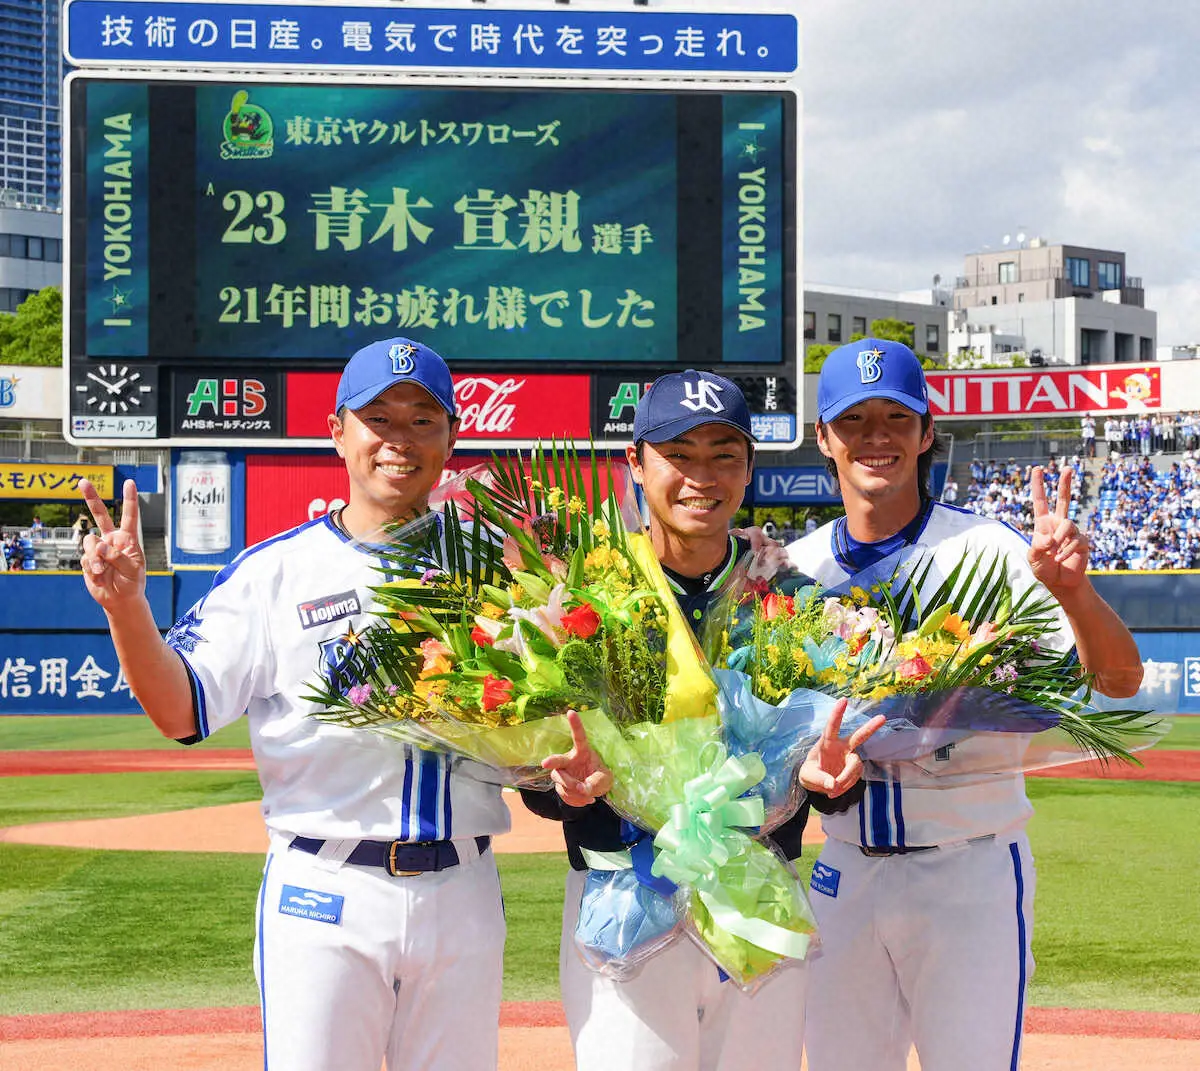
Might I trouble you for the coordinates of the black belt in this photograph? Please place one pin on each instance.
(399, 858)
(875, 853)
(886, 850)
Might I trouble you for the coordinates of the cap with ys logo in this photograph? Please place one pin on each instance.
(381, 365)
(676, 403)
(871, 368)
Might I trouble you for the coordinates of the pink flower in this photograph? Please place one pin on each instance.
(359, 694)
(437, 657)
(986, 633)
(914, 669)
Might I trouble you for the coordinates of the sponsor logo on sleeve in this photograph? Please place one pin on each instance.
(310, 904)
(317, 612)
(825, 879)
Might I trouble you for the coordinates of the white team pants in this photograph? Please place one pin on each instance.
(407, 967)
(931, 949)
(676, 1014)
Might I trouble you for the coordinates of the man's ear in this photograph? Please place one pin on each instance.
(927, 438)
(822, 444)
(336, 432)
(635, 466)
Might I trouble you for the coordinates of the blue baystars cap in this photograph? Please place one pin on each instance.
(381, 365)
(675, 403)
(871, 368)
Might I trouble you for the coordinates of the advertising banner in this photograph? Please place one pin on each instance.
(50, 482)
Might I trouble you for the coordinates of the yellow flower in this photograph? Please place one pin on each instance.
(600, 558)
(772, 652)
(575, 506)
(803, 662)
(880, 691)
(859, 596)
(516, 592)
(426, 690)
(491, 611)
(536, 485)
(556, 498)
(601, 531)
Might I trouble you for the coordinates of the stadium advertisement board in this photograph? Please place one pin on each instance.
(241, 227)
(1026, 392)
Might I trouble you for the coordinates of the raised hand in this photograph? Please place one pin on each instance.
(114, 565)
(1058, 554)
(578, 775)
(833, 765)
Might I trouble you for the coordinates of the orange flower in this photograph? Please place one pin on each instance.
(496, 692)
(581, 622)
(778, 606)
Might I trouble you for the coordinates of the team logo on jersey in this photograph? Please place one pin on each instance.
(869, 368)
(310, 904)
(701, 396)
(401, 355)
(825, 879)
(337, 656)
(328, 608)
(183, 635)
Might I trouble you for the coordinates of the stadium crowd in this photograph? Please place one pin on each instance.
(1143, 515)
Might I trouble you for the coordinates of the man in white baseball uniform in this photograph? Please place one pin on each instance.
(380, 930)
(924, 896)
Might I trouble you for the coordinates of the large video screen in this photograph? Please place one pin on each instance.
(242, 222)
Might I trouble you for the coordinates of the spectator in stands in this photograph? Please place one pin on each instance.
(81, 527)
(1112, 435)
(1087, 433)
(37, 530)
(950, 491)
(14, 552)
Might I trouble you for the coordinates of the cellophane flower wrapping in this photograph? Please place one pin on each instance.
(538, 591)
(648, 705)
(971, 667)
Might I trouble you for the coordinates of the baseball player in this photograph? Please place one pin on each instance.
(379, 925)
(693, 457)
(924, 896)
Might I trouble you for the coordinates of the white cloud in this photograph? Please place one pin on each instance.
(932, 128)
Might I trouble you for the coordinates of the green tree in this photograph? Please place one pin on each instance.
(814, 356)
(893, 331)
(33, 334)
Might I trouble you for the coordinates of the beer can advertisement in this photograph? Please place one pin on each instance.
(202, 502)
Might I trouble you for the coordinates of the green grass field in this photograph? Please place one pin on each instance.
(1117, 915)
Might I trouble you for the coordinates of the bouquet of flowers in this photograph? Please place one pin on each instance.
(540, 593)
(970, 660)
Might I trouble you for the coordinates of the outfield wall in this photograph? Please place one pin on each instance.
(56, 656)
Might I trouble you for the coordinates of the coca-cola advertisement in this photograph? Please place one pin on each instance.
(493, 407)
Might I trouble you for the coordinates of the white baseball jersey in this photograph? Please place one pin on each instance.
(896, 815)
(278, 617)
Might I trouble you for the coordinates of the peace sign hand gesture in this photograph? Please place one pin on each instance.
(833, 765)
(113, 563)
(1058, 555)
(579, 775)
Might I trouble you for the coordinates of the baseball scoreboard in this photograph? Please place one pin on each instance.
(562, 241)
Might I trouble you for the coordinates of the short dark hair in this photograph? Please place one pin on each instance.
(924, 462)
(640, 444)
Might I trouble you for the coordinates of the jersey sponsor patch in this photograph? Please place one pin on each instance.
(328, 608)
(825, 879)
(310, 904)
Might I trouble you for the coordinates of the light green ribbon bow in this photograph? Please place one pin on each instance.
(700, 837)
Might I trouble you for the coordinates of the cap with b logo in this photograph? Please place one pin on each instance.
(381, 365)
(871, 368)
(676, 403)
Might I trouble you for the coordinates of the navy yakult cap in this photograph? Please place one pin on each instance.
(871, 368)
(381, 365)
(676, 403)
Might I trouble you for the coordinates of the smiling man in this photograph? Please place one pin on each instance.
(380, 930)
(924, 896)
(693, 455)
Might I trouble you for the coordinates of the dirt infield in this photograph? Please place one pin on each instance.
(532, 1038)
